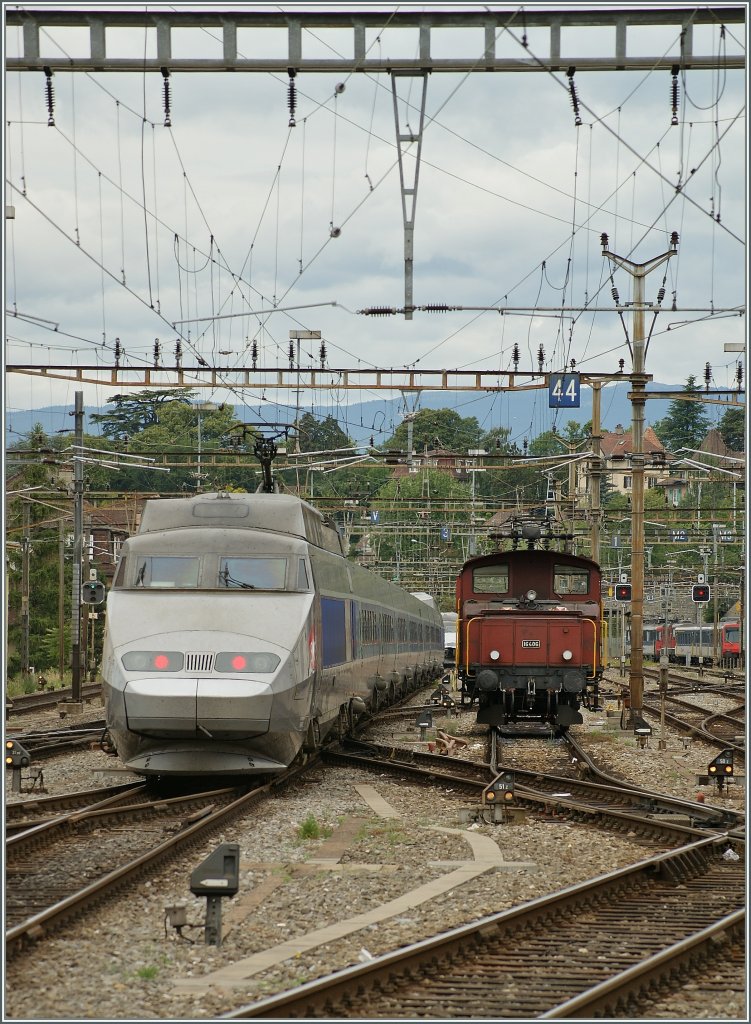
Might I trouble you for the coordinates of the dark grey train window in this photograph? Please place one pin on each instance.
(167, 571)
(302, 575)
(490, 579)
(252, 573)
(568, 579)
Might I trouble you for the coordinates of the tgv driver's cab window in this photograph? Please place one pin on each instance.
(167, 571)
(490, 579)
(252, 573)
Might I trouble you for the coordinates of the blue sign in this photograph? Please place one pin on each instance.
(445, 534)
(374, 516)
(564, 391)
(679, 535)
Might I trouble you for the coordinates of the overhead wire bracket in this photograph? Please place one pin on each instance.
(408, 183)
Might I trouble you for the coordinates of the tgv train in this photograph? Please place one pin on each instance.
(238, 634)
(529, 634)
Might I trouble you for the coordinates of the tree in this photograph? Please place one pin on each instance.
(438, 429)
(687, 422)
(133, 413)
(317, 435)
(732, 427)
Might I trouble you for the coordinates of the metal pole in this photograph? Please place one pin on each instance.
(715, 610)
(75, 608)
(61, 599)
(25, 567)
(638, 272)
(596, 472)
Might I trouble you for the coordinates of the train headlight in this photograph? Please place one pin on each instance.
(242, 661)
(567, 655)
(495, 655)
(531, 596)
(153, 661)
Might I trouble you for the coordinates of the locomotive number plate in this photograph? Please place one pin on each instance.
(530, 643)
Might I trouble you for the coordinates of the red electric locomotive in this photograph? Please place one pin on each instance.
(529, 634)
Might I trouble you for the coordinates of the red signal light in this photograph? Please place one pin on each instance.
(623, 591)
(161, 661)
(239, 663)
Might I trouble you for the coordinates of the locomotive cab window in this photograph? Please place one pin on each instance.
(490, 579)
(252, 573)
(570, 580)
(167, 571)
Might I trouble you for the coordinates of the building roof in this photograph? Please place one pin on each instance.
(619, 443)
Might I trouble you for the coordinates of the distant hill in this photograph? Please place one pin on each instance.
(525, 413)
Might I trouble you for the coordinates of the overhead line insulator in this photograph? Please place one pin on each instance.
(292, 97)
(166, 89)
(50, 93)
(574, 98)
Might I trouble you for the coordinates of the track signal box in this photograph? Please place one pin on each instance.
(700, 593)
(16, 756)
(722, 766)
(92, 592)
(623, 591)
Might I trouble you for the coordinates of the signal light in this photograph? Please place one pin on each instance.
(92, 592)
(623, 591)
(16, 756)
(700, 593)
(722, 766)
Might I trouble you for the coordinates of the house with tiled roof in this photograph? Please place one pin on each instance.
(617, 449)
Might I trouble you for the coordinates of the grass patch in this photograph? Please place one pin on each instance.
(310, 829)
(602, 737)
(147, 973)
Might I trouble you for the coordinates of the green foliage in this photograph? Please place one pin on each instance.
(437, 430)
(309, 829)
(687, 422)
(732, 427)
(316, 435)
(133, 413)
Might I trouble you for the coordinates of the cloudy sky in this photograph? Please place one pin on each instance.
(127, 229)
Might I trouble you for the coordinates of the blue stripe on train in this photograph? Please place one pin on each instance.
(334, 634)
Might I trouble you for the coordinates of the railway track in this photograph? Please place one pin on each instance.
(501, 966)
(58, 869)
(719, 729)
(24, 814)
(27, 702)
(43, 743)
(655, 816)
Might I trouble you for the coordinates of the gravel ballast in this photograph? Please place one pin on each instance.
(121, 962)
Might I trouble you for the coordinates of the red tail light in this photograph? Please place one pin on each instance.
(153, 661)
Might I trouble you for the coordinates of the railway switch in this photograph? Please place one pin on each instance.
(218, 876)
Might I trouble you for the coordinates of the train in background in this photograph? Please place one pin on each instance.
(695, 644)
(658, 639)
(449, 644)
(529, 631)
(239, 636)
